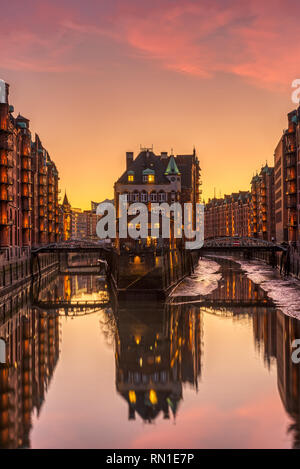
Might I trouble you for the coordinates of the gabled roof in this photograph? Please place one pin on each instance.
(266, 169)
(147, 160)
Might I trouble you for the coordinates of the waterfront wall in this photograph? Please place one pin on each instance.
(149, 272)
(17, 272)
(286, 264)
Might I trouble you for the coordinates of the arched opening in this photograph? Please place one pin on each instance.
(153, 197)
(135, 197)
(144, 196)
(162, 196)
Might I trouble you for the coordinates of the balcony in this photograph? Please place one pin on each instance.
(42, 181)
(5, 197)
(7, 180)
(26, 193)
(27, 206)
(26, 179)
(291, 202)
(291, 161)
(4, 221)
(6, 162)
(4, 130)
(26, 166)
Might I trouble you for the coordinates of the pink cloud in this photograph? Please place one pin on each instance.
(255, 424)
(250, 39)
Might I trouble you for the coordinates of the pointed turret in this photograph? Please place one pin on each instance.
(66, 201)
(172, 167)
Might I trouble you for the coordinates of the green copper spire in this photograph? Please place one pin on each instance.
(172, 167)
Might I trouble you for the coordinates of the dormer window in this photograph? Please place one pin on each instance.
(130, 176)
(149, 176)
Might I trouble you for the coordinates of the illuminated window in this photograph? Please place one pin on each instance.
(132, 397)
(130, 178)
(149, 175)
(152, 397)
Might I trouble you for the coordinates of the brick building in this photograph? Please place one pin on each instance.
(228, 216)
(262, 205)
(246, 214)
(287, 182)
(158, 179)
(28, 187)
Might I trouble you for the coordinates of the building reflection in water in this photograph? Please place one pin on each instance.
(274, 333)
(32, 351)
(32, 338)
(158, 348)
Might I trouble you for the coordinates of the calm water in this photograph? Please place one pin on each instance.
(212, 369)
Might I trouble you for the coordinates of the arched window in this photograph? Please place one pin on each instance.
(153, 197)
(149, 176)
(135, 197)
(162, 197)
(130, 176)
(144, 197)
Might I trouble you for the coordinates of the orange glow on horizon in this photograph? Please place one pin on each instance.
(101, 80)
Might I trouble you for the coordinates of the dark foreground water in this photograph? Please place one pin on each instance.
(211, 369)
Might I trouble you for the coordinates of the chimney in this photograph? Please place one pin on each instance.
(164, 155)
(129, 158)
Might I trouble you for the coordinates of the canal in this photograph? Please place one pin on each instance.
(211, 368)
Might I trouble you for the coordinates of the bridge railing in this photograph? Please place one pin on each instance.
(236, 241)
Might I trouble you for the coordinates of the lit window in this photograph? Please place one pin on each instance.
(152, 397)
(151, 178)
(130, 178)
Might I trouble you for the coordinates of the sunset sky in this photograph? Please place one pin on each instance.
(99, 78)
